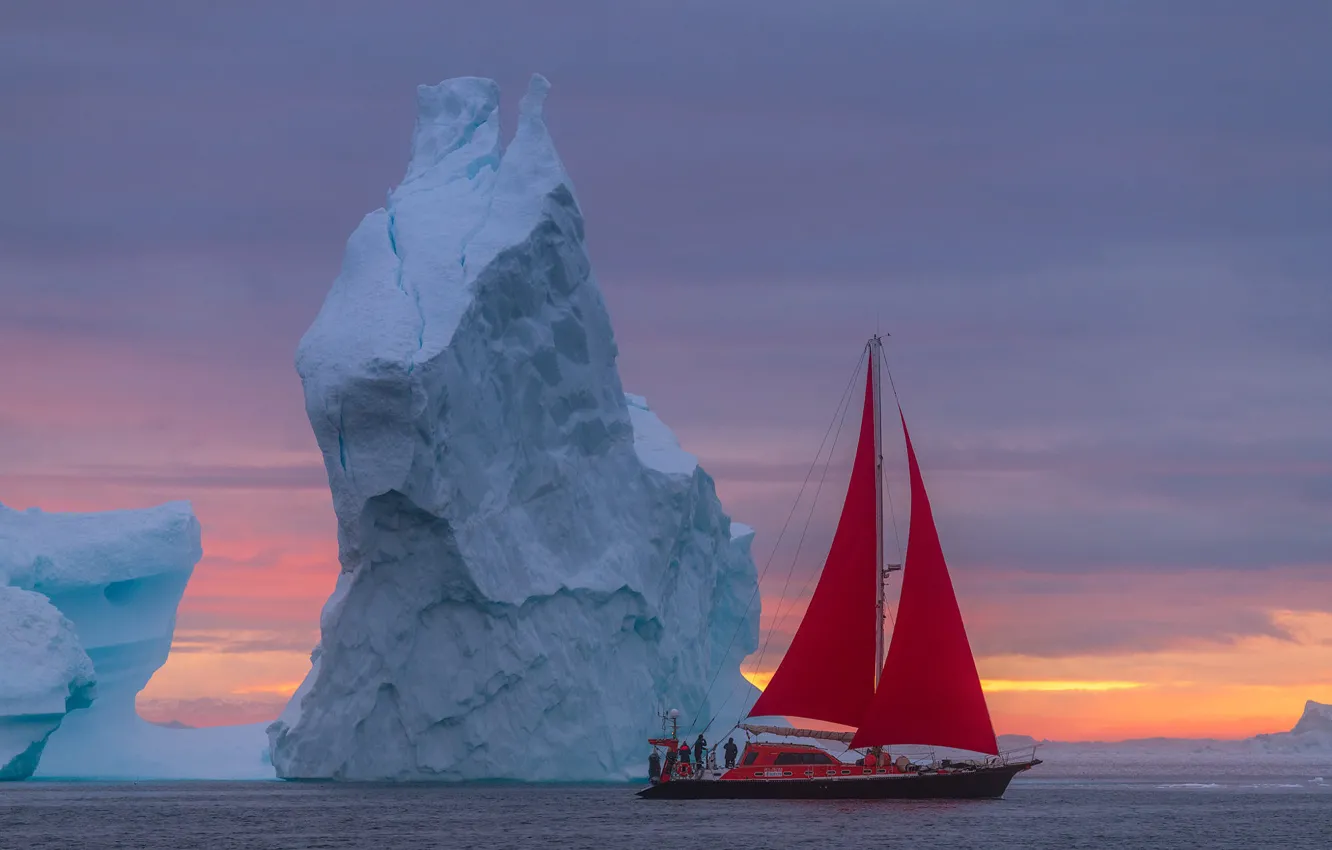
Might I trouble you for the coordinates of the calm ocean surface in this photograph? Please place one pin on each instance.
(1282, 814)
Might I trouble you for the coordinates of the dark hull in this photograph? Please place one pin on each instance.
(987, 783)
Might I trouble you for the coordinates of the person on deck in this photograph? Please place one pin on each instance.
(668, 769)
(654, 767)
(731, 750)
(870, 761)
(684, 753)
(701, 752)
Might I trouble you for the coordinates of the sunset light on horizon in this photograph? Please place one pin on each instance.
(250, 614)
(1104, 280)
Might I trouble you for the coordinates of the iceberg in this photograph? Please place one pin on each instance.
(116, 577)
(1312, 733)
(44, 674)
(1316, 720)
(1306, 747)
(532, 566)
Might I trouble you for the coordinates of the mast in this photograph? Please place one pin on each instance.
(876, 358)
(825, 673)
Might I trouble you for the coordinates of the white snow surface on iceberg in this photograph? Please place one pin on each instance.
(44, 673)
(118, 577)
(532, 568)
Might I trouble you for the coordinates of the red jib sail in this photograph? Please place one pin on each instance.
(828, 673)
(929, 692)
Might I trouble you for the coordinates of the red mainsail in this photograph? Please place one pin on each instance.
(929, 692)
(828, 672)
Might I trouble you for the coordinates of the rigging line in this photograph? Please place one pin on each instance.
(773, 554)
(883, 361)
(883, 358)
(810, 580)
(782, 599)
(777, 617)
(709, 726)
(843, 405)
(889, 373)
(804, 587)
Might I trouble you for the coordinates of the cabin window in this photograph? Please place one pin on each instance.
(803, 758)
(750, 758)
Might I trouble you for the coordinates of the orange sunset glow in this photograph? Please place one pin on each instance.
(250, 617)
(1177, 693)
(1106, 316)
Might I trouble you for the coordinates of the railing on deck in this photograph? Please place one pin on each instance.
(920, 758)
(1018, 755)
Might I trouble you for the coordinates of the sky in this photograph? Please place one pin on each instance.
(1100, 236)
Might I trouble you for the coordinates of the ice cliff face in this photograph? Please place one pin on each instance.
(531, 566)
(44, 674)
(98, 599)
(118, 575)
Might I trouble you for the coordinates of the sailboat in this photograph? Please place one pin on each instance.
(922, 692)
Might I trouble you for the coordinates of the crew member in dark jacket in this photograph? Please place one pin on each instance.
(731, 750)
(654, 767)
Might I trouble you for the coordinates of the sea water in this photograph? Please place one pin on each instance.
(1284, 813)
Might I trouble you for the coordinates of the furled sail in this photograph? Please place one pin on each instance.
(929, 692)
(828, 672)
(790, 732)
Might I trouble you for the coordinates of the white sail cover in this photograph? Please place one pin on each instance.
(792, 732)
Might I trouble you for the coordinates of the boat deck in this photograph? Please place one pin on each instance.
(981, 783)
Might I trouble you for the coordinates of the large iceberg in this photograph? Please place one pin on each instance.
(532, 567)
(117, 577)
(44, 673)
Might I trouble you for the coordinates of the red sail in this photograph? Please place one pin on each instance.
(929, 693)
(828, 673)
